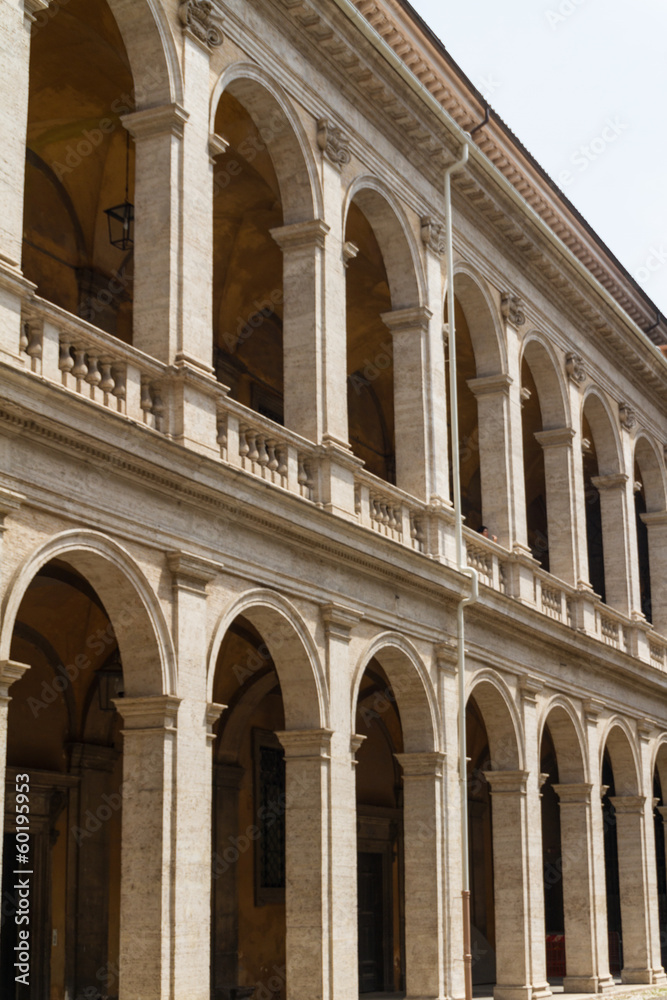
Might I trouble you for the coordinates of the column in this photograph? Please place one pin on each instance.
(309, 877)
(148, 917)
(194, 778)
(10, 671)
(16, 18)
(530, 688)
(93, 765)
(338, 625)
(630, 830)
(224, 960)
(656, 524)
(559, 475)
(496, 467)
(423, 849)
(598, 913)
(436, 378)
(646, 745)
(315, 354)
(583, 975)
(510, 883)
(618, 572)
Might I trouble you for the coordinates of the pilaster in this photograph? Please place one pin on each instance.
(618, 572)
(559, 474)
(497, 463)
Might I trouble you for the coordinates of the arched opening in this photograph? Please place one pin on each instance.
(64, 735)
(533, 468)
(594, 542)
(643, 556)
(659, 818)
(612, 877)
(380, 863)
(650, 503)
(79, 162)
(249, 831)
(469, 457)
(480, 847)
(552, 855)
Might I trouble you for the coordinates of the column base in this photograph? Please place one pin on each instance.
(659, 976)
(512, 992)
(643, 976)
(584, 984)
(541, 991)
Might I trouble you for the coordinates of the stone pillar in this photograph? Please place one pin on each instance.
(510, 883)
(423, 850)
(96, 799)
(493, 413)
(581, 953)
(338, 623)
(148, 917)
(226, 784)
(308, 873)
(618, 572)
(530, 687)
(437, 389)
(646, 744)
(420, 414)
(559, 475)
(194, 779)
(315, 358)
(16, 19)
(598, 913)
(10, 671)
(656, 524)
(632, 865)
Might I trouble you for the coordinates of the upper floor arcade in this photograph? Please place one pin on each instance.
(276, 304)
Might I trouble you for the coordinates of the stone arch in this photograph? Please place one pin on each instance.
(282, 131)
(503, 727)
(660, 763)
(652, 472)
(151, 49)
(144, 641)
(292, 650)
(412, 688)
(402, 261)
(605, 432)
(552, 392)
(568, 737)
(488, 343)
(619, 740)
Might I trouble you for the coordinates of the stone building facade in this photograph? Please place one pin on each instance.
(228, 575)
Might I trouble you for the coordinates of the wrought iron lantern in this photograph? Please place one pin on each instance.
(120, 218)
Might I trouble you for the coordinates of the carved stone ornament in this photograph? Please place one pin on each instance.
(433, 235)
(333, 142)
(627, 415)
(198, 17)
(512, 308)
(575, 368)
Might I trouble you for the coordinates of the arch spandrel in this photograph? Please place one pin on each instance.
(292, 650)
(144, 640)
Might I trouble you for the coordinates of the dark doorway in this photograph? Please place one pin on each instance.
(371, 922)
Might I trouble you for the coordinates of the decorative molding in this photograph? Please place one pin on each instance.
(447, 656)
(489, 384)
(507, 782)
(575, 368)
(414, 320)
(614, 482)
(574, 793)
(300, 235)
(350, 251)
(356, 742)
(33, 7)
(168, 119)
(627, 416)
(306, 744)
(213, 713)
(10, 502)
(339, 621)
(333, 142)
(593, 709)
(190, 572)
(530, 687)
(559, 437)
(149, 714)
(628, 804)
(512, 309)
(430, 764)
(10, 671)
(200, 21)
(433, 235)
(217, 145)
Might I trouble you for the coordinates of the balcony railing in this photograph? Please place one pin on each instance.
(96, 367)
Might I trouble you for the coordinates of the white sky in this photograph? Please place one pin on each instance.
(583, 85)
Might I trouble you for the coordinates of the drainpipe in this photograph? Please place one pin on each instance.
(462, 568)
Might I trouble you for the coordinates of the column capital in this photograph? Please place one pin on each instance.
(507, 782)
(628, 804)
(92, 757)
(339, 620)
(149, 714)
(10, 502)
(663, 812)
(200, 23)
(213, 713)
(356, 743)
(593, 709)
(447, 656)
(414, 320)
(33, 7)
(558, 437)
(301, 235)
(306, 744)
(10, 671)
(168, 119)
(530, 687)
(422, 765)
(217, 145)
(574, 793)
(488, 385)
(191, 572)
(654, 517)
(645, 731)
(614, 482)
